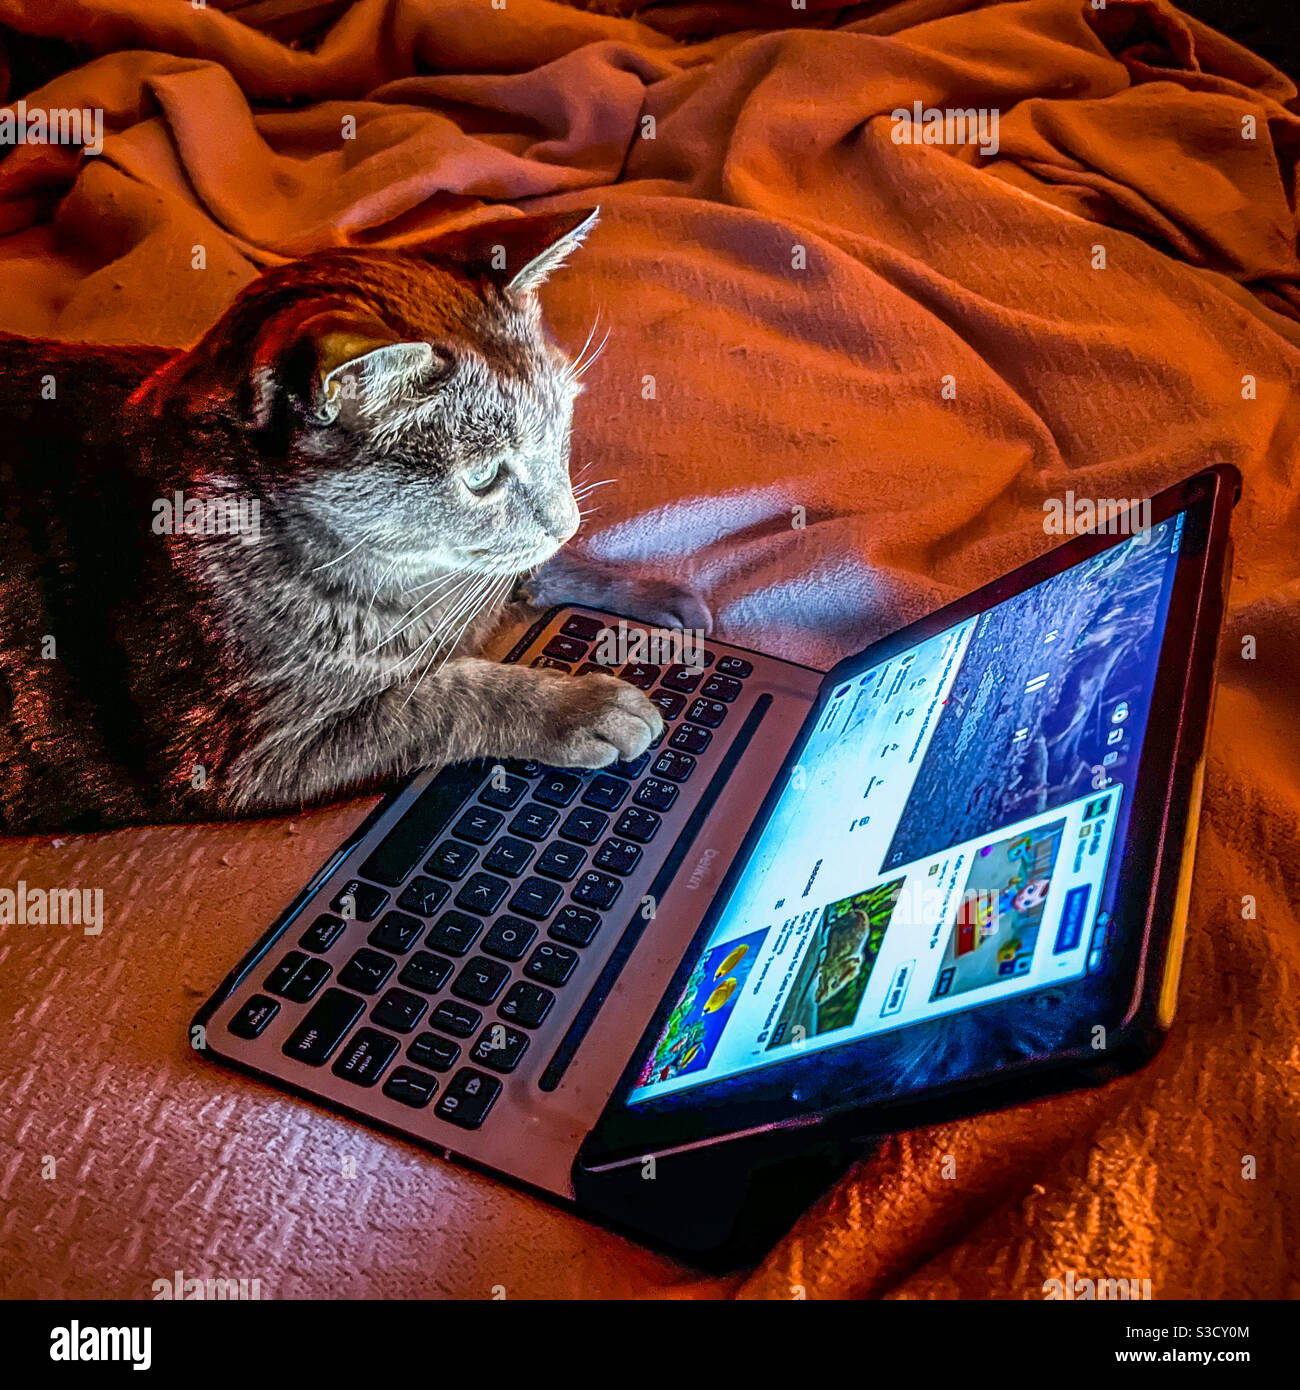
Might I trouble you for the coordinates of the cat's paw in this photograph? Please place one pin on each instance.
(597, 719)
(665, 603)
(569, 577)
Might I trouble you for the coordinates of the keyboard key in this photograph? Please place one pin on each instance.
(584, 628)
(454, 933)
(561, 861)
(690, 738)
(549, 663)
(536, 898)
(410, 840)
(509, 856)
(363, 1060)
(397, 932)
(283, 975)
(558, 788)
(307, 981)
(423, 895)
(657, 795)
(534, 822)
(426, 972)
(522, 767)
(366, 971)
(429, 1050)
(720, 688)
(411, 1087)
(589, 668)
(565, 648)
(468, 1098)
(359, 902)
(640, 674)
(504, 791)
(399, 1011)
(451, 860)
(584, 825)
(617, 856)
(324, 1027)
(734, 666)
(677, 767)
(596, 890)
(552, 965)
(633, 769)
(499, 1047)
(322, 933)
(576, 925)
(253, 1016)
(637, 824)
(526, 1004)
(683, 679)
(482, 893)
(606, 792)
(509, 937)
(481, 980)
(457, 1019)
(707, 712)
(668, 703)
(478, 825)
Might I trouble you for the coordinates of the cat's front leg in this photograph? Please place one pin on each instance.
(470, 709)
(569, 577)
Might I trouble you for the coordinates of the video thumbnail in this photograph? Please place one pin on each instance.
(695, 1026)
(996, 927)
(837, 965)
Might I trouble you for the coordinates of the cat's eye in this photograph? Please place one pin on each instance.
(481, 478)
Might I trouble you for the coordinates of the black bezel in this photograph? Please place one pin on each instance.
(1143, 873)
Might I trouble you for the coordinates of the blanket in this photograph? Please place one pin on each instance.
(846, 365)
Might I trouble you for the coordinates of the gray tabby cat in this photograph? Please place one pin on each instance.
(257, 573)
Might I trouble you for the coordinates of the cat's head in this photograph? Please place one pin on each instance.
(410, 405)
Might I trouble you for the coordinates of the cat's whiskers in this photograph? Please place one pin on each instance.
(580, 369)
(585, 491)
(379, 584)
(496, 591)
(448, 584)
(466, 612)
(574, 368)
(454, 604)
(337, 558)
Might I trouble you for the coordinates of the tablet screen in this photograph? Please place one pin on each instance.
(943, 838)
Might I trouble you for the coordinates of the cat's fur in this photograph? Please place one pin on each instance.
(351, 394)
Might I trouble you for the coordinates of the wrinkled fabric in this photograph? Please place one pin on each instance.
(842, 374)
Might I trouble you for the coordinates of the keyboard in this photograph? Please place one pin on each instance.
(467, 950)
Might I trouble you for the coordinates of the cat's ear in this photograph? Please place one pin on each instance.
(545, 247)
(327, 358)
(519, 253)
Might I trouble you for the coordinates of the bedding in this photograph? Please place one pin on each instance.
(845, 368)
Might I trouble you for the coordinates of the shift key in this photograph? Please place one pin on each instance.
(323, 1029)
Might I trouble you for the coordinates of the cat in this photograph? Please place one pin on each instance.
(253, 575)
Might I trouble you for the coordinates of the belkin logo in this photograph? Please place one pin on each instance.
(701, 868)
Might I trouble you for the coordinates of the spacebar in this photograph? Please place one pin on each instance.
(413, 836)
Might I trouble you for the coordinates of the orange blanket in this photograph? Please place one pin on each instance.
(910, 347)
